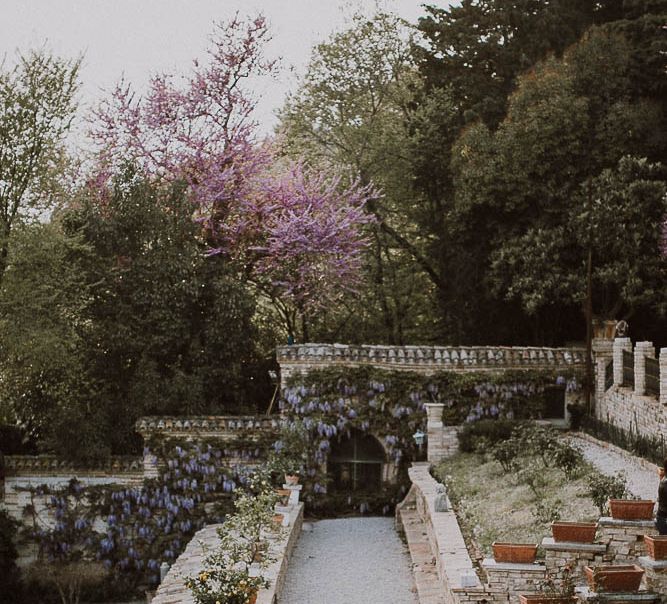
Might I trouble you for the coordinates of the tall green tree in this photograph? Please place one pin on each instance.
(351, 112)
(37, 105)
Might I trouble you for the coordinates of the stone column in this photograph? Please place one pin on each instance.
(642, 350)
(603, 352)
(620, 344)
(434, 431)
(663, 376)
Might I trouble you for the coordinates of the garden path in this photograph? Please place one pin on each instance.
(348, 561)
(642, 475)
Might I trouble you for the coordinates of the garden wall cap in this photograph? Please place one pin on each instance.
(208, 423)
(23, 464)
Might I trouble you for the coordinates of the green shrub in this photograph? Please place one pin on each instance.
(569, 459)
(493, 430)
(506, 453)
(601, 488)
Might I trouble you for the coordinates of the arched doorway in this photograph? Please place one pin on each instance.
(356, 463)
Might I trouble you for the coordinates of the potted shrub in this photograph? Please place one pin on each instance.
(656, 545)
(518, 553)
(631, 509)
(289, 456)
(614, 578)
(574, 532)
(552, 593)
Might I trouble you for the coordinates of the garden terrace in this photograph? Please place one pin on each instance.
(426, 359)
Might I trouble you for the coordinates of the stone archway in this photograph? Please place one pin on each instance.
(357, 463)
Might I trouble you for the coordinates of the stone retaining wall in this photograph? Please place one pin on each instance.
(191, 562)
(630, 408)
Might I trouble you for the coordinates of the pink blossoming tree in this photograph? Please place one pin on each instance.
(297, 233)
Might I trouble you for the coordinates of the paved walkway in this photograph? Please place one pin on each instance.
(642, 475)
(349, 561)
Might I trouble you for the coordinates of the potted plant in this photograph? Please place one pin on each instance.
(552, 593)
(631, 509)
(518, 553)
(227, 576)
(288, 457)
(614, 578)
(656, 545)
(574, 532)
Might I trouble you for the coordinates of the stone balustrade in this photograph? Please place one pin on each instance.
(428, 359)
(205, 425)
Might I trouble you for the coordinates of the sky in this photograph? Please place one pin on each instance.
(136, 38)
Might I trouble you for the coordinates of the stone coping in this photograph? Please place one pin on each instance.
(445, 537)
(490, 564)
(648, 562)
(549, 544)
(618, 523)
(205, 423)
(491, 356)
(19, 465)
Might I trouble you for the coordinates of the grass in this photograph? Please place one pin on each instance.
(492, 505)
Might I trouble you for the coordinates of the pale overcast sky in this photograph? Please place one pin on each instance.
(140, 37)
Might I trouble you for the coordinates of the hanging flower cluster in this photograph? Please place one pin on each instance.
(133, 530)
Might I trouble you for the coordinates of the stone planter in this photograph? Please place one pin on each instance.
(614, 578)
(574, 532)
(656, 545)
(604, 329)
(278, 519)
(283, 496)
(546, 599)
(631, 509)
(518, 553)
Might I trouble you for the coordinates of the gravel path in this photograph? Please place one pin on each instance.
(642, 475)
(349, 561)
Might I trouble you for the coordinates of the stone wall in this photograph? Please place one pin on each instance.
(192, 561)
(630, 408)
(425, 359)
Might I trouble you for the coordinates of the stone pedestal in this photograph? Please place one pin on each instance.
(637, 597)
(655, 574)
(576, 555)
(624, 538)
(513, 579)
(620, 344)
(295, 493)
(442, 440)
(642, 350)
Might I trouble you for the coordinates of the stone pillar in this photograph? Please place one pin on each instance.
(663, 376)
(603, 353)
(434, 432)
(620, 344)
(642, 350)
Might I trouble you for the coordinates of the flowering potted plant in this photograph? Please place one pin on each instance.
(288, 457)
(222, 584)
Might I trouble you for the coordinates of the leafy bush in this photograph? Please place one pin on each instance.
(537, 440)
(569, 459)
(546, 512)
(9, 576)
(493, 430)
(601, 488)
(506, 454)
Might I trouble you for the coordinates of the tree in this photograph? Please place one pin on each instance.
(557, 182)
(351, 113)
(199, 134)
(37, 105)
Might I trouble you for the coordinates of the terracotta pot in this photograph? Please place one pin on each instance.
(253, 598)
(604, 329)
(519, 553)
(278, 519)
(574, 532)
(656, 546)
(292, 479)
(631, 509)
(618, 577)
(546, 599)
